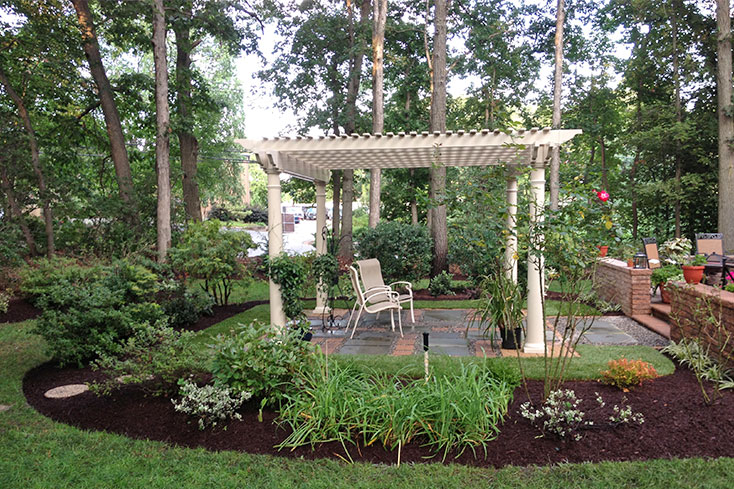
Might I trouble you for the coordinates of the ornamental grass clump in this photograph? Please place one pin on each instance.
(211, 404)
(345, 405)
(628, 374)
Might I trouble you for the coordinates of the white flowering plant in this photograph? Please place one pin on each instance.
(212, 404)
(561, 415)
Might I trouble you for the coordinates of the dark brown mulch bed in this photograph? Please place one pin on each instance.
(677, 424)
(20, 310)
(459, 295)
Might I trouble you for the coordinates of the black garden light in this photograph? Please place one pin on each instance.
(640, 260)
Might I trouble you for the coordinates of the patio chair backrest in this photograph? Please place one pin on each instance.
(708, 243)
(354, 276)
(650, 245)
(371, 274)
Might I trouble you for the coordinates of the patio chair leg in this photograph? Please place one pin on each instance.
(350, 317)
(412, 315)
(355, 322)
(392, 321)
(400, 321)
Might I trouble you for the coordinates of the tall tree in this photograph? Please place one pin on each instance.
(118, 151)
(162, 147)
(379, 18)
(25, 118)
(439, 229)
(557, 86)
(350, 124)
(15, 211)
(726, 121)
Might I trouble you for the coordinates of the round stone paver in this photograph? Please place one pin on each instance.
(4, 407)
(66, 391)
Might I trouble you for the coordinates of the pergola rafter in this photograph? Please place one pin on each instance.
(313, 159)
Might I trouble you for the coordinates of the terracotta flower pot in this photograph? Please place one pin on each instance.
(693, 274)
(630, 263)
(603, 250)
(664, 294)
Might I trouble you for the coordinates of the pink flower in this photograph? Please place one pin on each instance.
(603, 195)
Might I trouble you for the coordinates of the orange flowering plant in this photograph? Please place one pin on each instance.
(626, 374)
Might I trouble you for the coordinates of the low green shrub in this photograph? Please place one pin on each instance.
(156, 356)
(186, 306)
(88, 311)
(343, 404)
(628, 374)
(404, 250)
(259, 360)
(441, 284)
(211, 404)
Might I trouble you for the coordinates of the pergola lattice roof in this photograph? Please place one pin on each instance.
(313, 158)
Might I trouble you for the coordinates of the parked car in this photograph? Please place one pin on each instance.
(310, 213)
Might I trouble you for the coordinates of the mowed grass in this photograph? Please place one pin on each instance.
(36, 452)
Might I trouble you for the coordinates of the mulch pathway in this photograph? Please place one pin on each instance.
(677, 425)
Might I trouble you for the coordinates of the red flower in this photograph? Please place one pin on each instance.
(602, 194)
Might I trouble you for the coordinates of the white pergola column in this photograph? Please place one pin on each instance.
(535, 341)
(510, 264)
(321, 299)
(275, 245)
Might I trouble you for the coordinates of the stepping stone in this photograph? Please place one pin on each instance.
(452, 315)
(65, 391)
(4, 407)
(452, 351)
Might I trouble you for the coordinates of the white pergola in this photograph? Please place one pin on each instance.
(313, 159)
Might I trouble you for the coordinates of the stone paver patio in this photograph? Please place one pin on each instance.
(452, 333)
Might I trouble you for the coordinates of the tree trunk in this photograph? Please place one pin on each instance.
(109, 108)
(15, 211)
(162, 119)
(350, 126)
(557, 85)
(678, 118)
(437, 189)
(633, 195)
(603, 154)
(379, 17)
(186, 139)
(726, 123)
(35, 161)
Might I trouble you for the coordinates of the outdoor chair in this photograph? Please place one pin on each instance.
(650, 245)
(373, 301)
(709, 243)
(371, 274)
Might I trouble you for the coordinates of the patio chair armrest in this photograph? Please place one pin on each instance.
(375, 291)
(407, 285)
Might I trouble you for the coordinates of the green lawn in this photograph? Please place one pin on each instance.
(36, 452)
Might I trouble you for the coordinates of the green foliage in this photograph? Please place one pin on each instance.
(185, 306)
(500, 304)
(258, 360)
(4, 302)
(325, 270)
(676, 251)
(288, 272)
(441, 284)
(213, 256)
(211, 404)
(404, 250)
(89, 311)
(459, 411)
(156, 356)
(665, 274)
(697, 261)
(628, 374)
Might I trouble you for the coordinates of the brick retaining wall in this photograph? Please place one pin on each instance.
(689, 314)
(629, 287)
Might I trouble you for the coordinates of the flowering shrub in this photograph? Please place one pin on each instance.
(561, 415)
(210, 403)
(4, 302)
(626, 374)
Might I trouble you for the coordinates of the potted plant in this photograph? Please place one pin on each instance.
(500, 305)
(625, 252)
(693, 270)
(661, 276)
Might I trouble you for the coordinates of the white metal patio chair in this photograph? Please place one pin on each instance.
(373, 301)
(371, 274)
